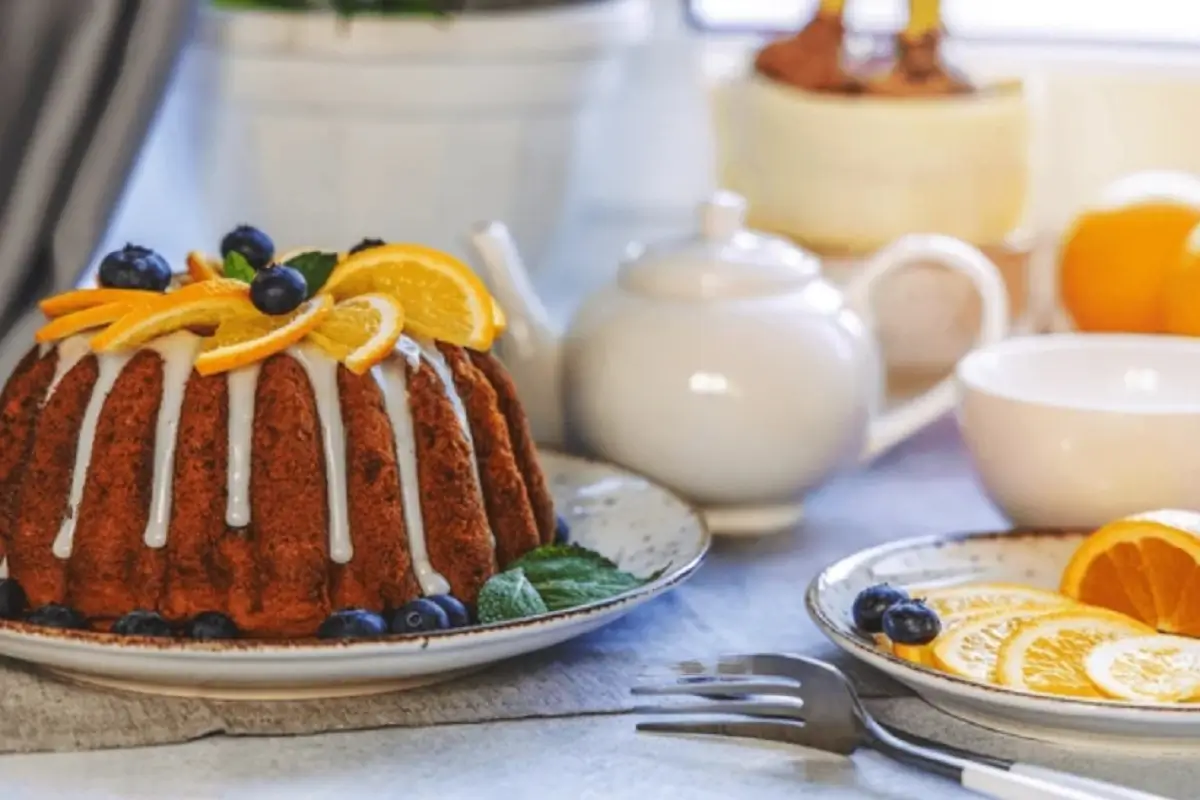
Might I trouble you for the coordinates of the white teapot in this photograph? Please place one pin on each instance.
(724, 366)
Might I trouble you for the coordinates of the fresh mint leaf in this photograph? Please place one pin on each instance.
(573, 555)
(509, 596)
(315, 266)
(567, 593)
(569, 575)
(237, 267)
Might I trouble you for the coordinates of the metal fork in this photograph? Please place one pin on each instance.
(807, 702)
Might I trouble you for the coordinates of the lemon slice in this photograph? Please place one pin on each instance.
(361, 332)
(80, 299)
(1046, 654)
(206, 303)
(87, 319)
(249, 337)
(971, 648)
(1156, 669)
(975, 597)
(202, 267)
(499, 318)
(442, 298)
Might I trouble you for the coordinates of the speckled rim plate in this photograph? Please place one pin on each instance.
(640, 525)
(1028, 556)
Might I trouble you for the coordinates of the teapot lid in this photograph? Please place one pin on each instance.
(725, 260)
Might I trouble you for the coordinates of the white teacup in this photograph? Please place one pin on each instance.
(1076, 430)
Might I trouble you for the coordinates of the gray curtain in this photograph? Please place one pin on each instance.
(80, 82)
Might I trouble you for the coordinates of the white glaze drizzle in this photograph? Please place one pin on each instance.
(71, 351)
(444, 373)
(110, 366)
(242, 385)
(322, 374)
(393, 382)
(178, 352)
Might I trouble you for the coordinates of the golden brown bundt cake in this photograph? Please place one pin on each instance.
(274, 494)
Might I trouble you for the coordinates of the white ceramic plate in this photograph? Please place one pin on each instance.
(641, 526)
(1030, 557)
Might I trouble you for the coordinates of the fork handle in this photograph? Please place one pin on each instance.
(1005, 785)
(1101, 789)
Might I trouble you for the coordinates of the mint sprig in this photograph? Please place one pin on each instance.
(315, 266)
(237, 267)
(561, 576)
(508, 595)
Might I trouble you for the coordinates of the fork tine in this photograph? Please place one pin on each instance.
(767, 730)
(755, 708)
(722, 687)
(742, 729)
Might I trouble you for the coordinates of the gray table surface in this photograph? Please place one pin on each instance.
(923, 486)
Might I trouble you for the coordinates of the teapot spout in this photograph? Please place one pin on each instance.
(531, 347)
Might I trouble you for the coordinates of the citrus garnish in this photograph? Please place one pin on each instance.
(1046, 653)
(360, 332)
(199, 304)
(1158, 669)
(250, 336)
(88, 318)
(1146, 566)
(971, 648)
(79, 299)
(499, 318)
(442, 298)
(201, 267)
(975, 597)
(1115, 258)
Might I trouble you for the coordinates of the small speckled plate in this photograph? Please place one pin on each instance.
(1032, 557)
(637, 524)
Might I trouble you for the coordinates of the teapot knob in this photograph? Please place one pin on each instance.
(723, 215)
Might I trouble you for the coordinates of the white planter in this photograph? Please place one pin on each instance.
(323, 131)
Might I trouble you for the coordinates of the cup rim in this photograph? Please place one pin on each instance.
(969, 378)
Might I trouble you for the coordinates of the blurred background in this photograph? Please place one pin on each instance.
(585, 124)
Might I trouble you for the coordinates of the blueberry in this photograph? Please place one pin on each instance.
(134, 267)
(278, 290)
(562, 531)
(142, 623)
(456, 612)
(420, 616)
(13, 601)
(54, 615)
(254, 245)
(352, 623)
(911, 622)
(367, 244)
(872, 602)
(212, 625)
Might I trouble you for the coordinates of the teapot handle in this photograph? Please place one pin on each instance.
(894, 425)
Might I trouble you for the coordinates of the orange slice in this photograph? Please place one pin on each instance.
(247, 338)
(975, 597)
(207, 304)
(201, 267)
(1046, 653)
(442, 298)
(1146, 566)
(79, 299)
(1156, 669)
(361, 332)
(499, 318)
(88, 318)
(971, 648)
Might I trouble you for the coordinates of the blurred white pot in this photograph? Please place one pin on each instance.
(323, 131)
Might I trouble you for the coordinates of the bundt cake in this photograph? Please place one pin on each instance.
(276, 493)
